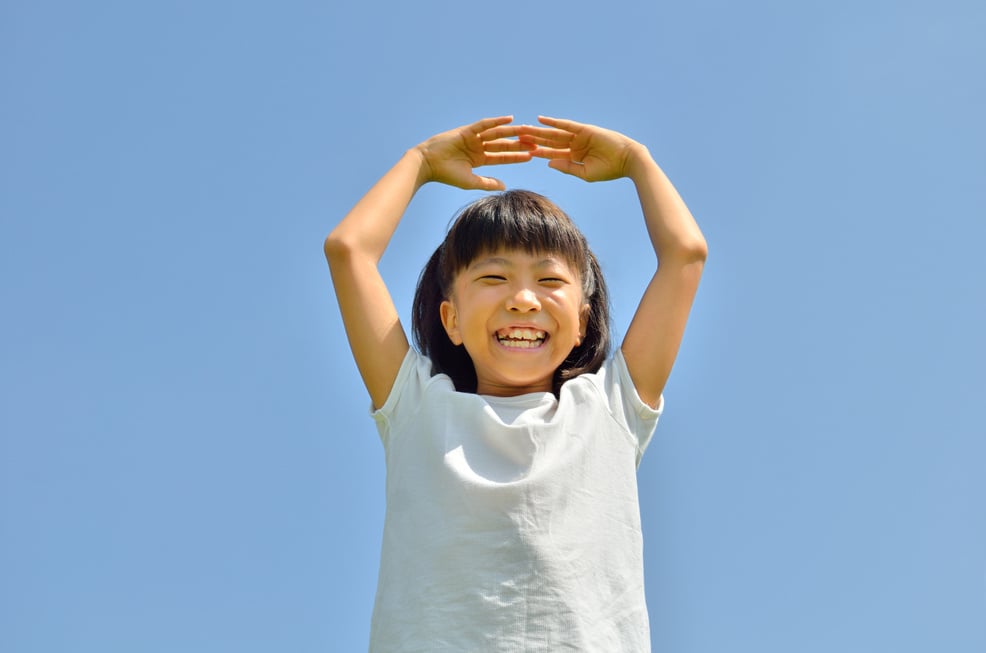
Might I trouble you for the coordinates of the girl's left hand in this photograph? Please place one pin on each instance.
(585, 151)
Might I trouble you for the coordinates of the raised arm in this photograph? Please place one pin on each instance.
(355, 246)
(596, 154)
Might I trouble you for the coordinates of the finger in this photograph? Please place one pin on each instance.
(480, 126)
(486, 183)
(552, 143)
(500, 131)
(567, 125)
(552, 153)
(506, 157)
(568, 167)
(545, 133)
(508, 145)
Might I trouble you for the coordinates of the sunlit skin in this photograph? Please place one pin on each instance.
(589, 152)
(535, 298)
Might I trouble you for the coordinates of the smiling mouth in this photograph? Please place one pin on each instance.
(521, 338)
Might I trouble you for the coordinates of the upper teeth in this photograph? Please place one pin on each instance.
(521, 334)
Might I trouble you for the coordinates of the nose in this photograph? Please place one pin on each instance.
(523, 300)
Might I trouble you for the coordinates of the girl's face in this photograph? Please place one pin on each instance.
(519, 316)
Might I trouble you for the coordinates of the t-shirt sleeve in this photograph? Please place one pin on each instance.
(405, 396)
(626, 405)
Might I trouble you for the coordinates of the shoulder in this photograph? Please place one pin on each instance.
(414, 382)
(613, 380)
(613, 387)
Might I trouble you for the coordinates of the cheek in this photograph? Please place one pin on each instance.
(470, 316)
(569, 306)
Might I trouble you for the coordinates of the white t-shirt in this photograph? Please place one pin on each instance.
(512, 523)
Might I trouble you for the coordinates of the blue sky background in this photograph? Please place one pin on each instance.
(186, 463)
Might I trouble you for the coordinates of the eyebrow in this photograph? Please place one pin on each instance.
(499, 260)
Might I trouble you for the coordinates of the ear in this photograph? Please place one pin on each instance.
(583, 323)
(450, 320)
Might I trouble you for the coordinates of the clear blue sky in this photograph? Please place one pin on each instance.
(186, 461)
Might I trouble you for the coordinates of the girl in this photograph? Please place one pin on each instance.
(512, 438)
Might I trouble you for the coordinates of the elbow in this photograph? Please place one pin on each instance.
(697, 251)
(344, 249)
(336, 247)
(693, 252)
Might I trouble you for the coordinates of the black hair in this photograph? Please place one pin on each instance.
(515, 219)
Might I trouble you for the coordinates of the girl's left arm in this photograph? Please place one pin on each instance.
(596, 154)
(654, 336)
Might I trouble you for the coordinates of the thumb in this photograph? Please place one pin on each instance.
(568, 167)
(486, 183)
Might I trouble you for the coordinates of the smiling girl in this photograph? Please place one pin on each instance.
(512, 437)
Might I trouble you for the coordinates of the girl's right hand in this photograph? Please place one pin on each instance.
(450, 157)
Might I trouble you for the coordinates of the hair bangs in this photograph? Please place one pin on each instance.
(518, 220)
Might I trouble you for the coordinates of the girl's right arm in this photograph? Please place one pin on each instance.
(355, 246)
